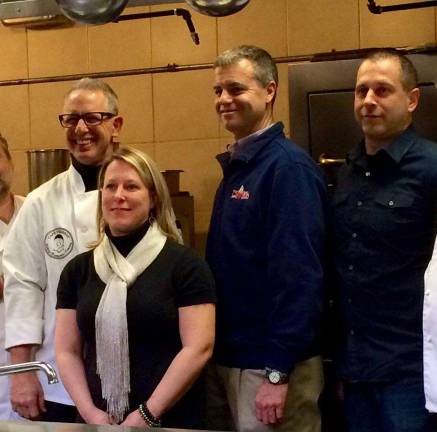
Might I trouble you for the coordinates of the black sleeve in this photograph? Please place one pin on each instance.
(69, 283)
(192, 280)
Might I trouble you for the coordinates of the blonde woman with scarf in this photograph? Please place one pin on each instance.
(135, 315)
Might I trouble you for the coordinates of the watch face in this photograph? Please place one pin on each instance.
(274, 377)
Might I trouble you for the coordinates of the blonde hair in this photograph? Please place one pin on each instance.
(154, 181)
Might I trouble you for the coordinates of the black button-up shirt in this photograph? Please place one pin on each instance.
(384, 228)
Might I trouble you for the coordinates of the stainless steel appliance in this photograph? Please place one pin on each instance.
(46, 163)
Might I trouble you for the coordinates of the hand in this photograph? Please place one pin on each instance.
(270, 401)
(27, 396)
(97, 417)
(134, 419)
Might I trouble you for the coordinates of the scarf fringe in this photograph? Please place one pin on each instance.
(112, 339)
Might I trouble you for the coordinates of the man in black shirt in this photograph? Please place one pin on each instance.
(384, 229)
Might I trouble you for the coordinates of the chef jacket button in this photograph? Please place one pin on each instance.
(367, 174)
(354, 235)
(349, 300)
(391, 203)
(84, 229)
(351, 332)
(359, 203)
(427, 293)
(350, 267)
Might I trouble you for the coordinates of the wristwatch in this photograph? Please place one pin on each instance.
(276, 377)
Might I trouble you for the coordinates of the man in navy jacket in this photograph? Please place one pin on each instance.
(265, 247)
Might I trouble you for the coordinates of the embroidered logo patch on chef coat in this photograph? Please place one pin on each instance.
(240, 194)
(58, 243)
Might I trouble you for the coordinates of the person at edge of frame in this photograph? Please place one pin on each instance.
(384, 221)
(10, 205)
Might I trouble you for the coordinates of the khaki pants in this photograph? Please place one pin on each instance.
(231, 399)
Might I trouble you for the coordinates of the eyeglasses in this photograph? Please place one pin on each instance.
(89, 118)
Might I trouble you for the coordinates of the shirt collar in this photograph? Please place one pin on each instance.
(399, 147)
(396, 149)
(246, 148)
(247, 139)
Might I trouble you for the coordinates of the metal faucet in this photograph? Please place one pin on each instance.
(31, 366)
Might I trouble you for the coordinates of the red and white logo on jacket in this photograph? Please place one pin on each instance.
(240, 194)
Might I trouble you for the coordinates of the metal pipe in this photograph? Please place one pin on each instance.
(131, 72)
(110, 74)
(173, 67)
(376, 9)
(31, 366)
(177, 12)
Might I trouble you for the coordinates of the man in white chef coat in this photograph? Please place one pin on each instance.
(430, 337)
(63, 207)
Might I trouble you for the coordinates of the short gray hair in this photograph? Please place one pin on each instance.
(95, 84)
(265, 69)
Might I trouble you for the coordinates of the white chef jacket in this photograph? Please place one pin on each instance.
(430, 334)
(57, 222)
(6, 412)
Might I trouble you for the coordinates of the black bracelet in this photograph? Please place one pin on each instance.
(148, 417)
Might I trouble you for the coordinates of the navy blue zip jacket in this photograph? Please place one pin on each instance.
(266, 248)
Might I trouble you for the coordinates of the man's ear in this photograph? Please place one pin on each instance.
(271, 88)
(117, 124)
(413, 99)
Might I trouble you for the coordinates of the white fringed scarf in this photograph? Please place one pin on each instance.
(112, 346)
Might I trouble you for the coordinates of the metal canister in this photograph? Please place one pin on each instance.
(46, 163)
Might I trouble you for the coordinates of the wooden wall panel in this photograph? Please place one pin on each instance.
(258, 23)
(322, 25)
(60, 51)
(15, 116)
(397, 29)
(46, 103)
(135, 100)
(171, 40)
(120, 46)
(183, 106)
(13, 53)
(201, 170)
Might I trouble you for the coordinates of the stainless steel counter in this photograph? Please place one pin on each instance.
(27, 426)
